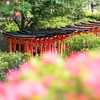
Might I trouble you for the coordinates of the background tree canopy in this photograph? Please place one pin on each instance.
(32, 11)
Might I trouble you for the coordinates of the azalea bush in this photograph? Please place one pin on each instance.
(82, 42)
(52, 78)
(9, 61)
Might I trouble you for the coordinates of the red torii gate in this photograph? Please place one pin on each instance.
(46, 42)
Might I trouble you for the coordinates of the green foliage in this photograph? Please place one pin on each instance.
(75, 8)
(95, 16)
(87, 12)
(61, 21)
(55, 22)
(45, 13)
(9, 25)
(76, 78)
(91, 15)
(33, 12)
(82, 42)
(10, 60)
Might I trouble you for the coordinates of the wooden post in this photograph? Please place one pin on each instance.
(27, 47)
(14, 45)
(31, 48)
(61, 47)
(49, 45)
(10, 45)
(40, 44)
(19, 46)
(91, 31)
(54, 39)
(85, 32)
(44, 44)
(64, 45)
(24, 44)
(36, 47)
(58, 46)
(53, 44)
(58, 41)
(96, 32)
(61, 44)
(67, 35)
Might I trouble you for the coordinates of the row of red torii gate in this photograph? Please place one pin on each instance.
(50, 39)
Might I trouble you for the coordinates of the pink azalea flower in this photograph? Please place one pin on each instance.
(49, 58)
(22, 90)
(70, 96)
(92, 78)
(48, 80)
(2, 92)
(2, 85)
(27, 67)
(82, 97)
(75, 63)
(8, 93)
(74, 96)
(27, 90)
(39, 90)
(13, 75)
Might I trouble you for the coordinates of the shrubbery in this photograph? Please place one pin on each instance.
(9, 61)
(62, 21)
(82, 42)
(8, 25)
(52, 78)
(93, 16)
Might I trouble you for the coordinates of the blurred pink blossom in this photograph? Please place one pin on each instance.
(26, 89)
(27, 67)
(48, 80)
(87, 68)
(70, 96)
(82, 97)
(74, 96)
(49, 58)
(81, 66)
(22, 90)
(2, 92)
(13, 75)
(76, 62)
(92, 78)
(8, 92)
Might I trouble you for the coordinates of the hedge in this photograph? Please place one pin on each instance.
(81, 42)
(10, 61)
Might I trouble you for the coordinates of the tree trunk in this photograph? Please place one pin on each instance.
(92, 7)
(34, 25)
(22, 22)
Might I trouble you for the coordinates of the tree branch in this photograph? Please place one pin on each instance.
(16, 23)
(28, 23)
(22, 21)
